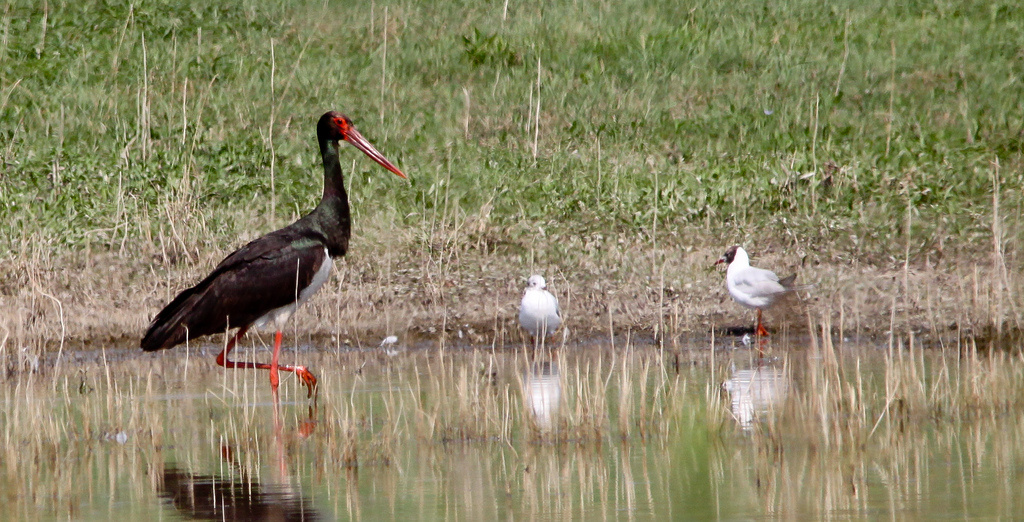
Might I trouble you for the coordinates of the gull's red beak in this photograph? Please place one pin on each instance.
(356, 139)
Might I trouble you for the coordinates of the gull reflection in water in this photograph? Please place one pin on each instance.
(756, 392)
(543, 393)
(211, 497)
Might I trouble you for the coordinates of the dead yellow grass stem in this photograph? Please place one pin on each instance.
(444, 284)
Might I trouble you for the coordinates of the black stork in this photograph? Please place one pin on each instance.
(265, 281)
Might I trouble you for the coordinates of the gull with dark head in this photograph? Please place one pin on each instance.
(753, 287)
(538, 312)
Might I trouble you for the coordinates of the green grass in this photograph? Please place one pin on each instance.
(798, 123)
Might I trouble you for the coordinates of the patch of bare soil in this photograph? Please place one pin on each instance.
(429, 290)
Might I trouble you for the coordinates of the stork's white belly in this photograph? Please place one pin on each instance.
(279, 316)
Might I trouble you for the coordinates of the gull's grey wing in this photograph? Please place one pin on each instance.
(758, 282)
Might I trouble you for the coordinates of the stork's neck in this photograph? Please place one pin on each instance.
(331, 217)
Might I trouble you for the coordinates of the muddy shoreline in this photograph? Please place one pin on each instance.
(106, 301)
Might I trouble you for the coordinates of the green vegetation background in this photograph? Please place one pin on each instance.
(837, 126)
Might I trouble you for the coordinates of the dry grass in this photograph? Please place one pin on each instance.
(588, 430)
(136, 418)
(448, 290)
(902, 368)
(881, 430)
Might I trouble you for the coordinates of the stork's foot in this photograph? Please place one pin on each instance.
(308, 380)
(307, 426)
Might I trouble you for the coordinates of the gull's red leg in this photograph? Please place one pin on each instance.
(761, 330)
(761, 335)
(761, 343)
(307, 378)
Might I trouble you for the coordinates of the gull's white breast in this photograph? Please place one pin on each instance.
(538, 312)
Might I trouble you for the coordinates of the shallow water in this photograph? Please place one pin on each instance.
(634, 432)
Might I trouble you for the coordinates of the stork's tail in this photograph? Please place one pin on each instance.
(170, 326)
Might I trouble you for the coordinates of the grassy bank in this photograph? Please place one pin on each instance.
(618, 146)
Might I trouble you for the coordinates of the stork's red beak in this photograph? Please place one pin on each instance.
(720, 261)
(356, 139)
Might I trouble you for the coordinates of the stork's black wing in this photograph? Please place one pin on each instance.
(265, 274)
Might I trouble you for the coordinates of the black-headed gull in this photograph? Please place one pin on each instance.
(753, 287)
(538, 312)
(388, 344)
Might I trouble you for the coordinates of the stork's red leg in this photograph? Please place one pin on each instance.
(222, 358)
(307, 426)
(274, 379)
(307, 378)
